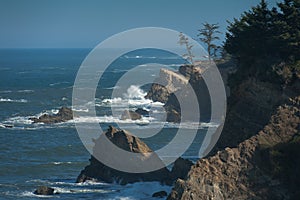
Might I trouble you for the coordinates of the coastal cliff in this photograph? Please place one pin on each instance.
(174, 85)
(265, 166)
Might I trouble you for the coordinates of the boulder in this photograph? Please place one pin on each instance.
(160, 194)
(96, 170)
(44, 190)
(129, 114)
(64, 114)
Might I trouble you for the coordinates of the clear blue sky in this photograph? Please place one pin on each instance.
(85, 23)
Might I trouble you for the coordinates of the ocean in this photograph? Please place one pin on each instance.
(38, 81)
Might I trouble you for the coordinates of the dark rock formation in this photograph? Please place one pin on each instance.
(98, 171)
(64, 114)
(142, 112)
(160, 194)
(265, 166)
(129, 114)
(158, 93)
(167, 83)
(175, 86)
(44, 190)
(181, 168)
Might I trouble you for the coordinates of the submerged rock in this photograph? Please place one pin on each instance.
(64, 114)
(44, 190)
(160, 194)
(142, 112)
(126, 141)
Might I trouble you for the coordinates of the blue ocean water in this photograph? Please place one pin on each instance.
(38, 81)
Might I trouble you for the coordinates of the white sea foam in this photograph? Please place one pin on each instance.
(31, 194)
(18, 120)
(134, 97)
(25, 91)
(58, 83)
(141, 190)
(13, 100)
(6, 91)
(61, 163)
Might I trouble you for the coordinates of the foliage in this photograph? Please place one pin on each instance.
(264, 38)
(183, 40)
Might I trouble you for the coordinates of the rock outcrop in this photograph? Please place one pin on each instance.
(64, 114)
(265, 166)
(124, 140)
(196, 82)
(170, 82)
(175, 86)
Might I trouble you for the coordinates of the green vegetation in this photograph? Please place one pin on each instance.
(266, 43)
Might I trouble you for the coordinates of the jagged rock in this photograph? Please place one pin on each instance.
(160, 194)
(64, 114)
(44, 190)
(126, 141)
(129, 114)
(245, 172)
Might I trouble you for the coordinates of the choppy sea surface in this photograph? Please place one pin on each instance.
(38, 81)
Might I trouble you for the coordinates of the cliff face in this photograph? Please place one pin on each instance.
(249, 109)
(256, 169)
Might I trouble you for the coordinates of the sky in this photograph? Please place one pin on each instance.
(85, 23)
